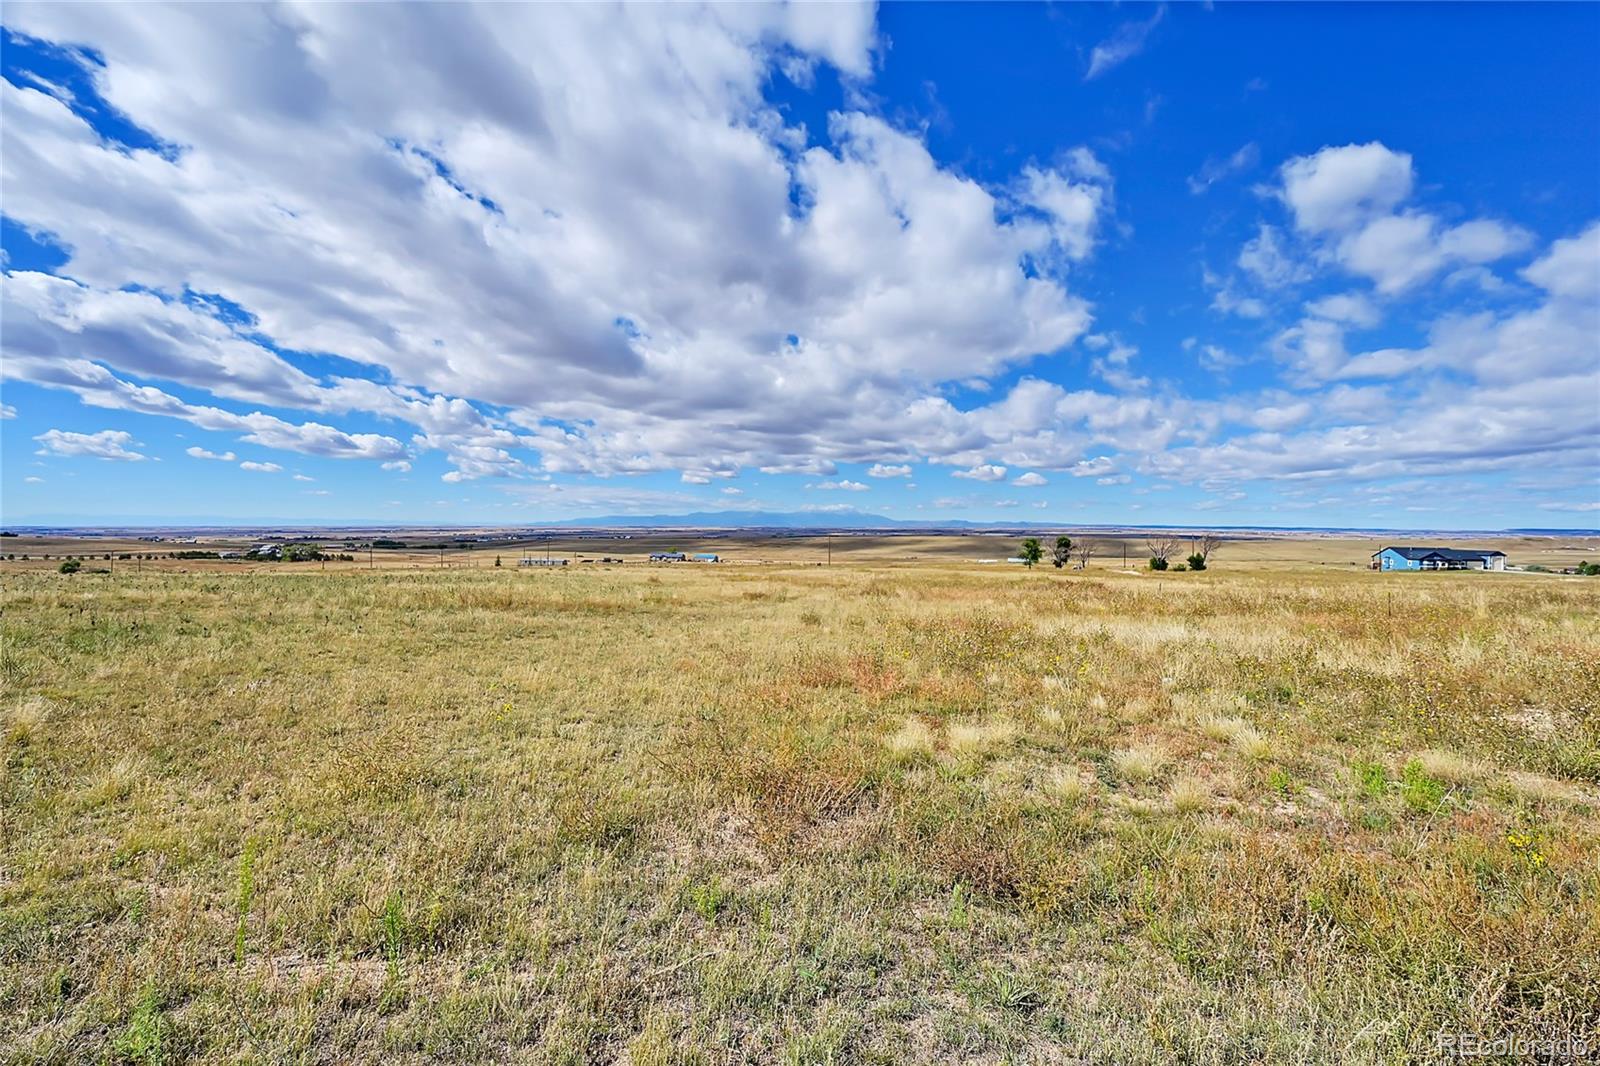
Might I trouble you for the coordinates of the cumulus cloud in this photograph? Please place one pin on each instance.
(106, 444)
(1351, 200)
(1522, 385)
(619, 292)
(260, 468)
(1338, 188)
(202, 453)
(677, 277)
(1031, 480)
(1350, 308)
(1571, 268)
(844, 485)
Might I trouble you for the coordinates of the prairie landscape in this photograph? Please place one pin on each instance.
(789, 813)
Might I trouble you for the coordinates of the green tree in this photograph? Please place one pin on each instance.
(1032, 551)
(71, 566)
(1197, 561)
(1157, 563)
(1062, 553)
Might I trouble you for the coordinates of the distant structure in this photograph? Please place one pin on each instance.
(1414, 558)
(526, 561)
(667, 557)
(707, 557)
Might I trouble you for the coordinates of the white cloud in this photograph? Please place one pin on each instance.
(623, 290)
(106, 444)
(260, 468)
(1338, 188)
(732, 491)
(34, 480)
(1100, 464)
(1127, 42)
(1571, 268)
(1215, 170)
(399, 465)
(1349, 308)
(1072, 205)
(982, 472)
(888, 470)
(1031, 480)
(1265, 258)
(303, 477)
(1351, 196)
(202, 453)
(842, 485)
(1591, 505)
(7, 411)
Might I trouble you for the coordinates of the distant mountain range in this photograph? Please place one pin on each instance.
(723, 520)
(776, 520)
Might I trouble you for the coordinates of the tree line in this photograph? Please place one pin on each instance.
(1161, 550)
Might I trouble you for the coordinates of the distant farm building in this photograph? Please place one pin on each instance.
(667, 557)
(542, 562)
(1413, 558)
(707, 557)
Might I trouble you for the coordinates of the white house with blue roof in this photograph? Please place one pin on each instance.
(1415, 558)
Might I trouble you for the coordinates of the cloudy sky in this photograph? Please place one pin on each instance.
(1281, 265)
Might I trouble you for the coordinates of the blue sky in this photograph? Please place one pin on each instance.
(1283, 265)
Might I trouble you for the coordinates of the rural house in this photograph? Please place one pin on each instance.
(1413, 558)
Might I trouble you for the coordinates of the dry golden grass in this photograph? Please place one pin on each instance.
(867, 813)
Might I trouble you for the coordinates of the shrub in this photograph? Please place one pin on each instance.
(1588, 569)
(1197, 561)
(1157, 563)
(1420, 791)
(71, 566)
(1179, 567)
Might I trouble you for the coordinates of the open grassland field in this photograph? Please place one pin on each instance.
(1114, 551)
(866, 813)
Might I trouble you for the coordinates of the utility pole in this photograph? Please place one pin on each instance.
(830, 549)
